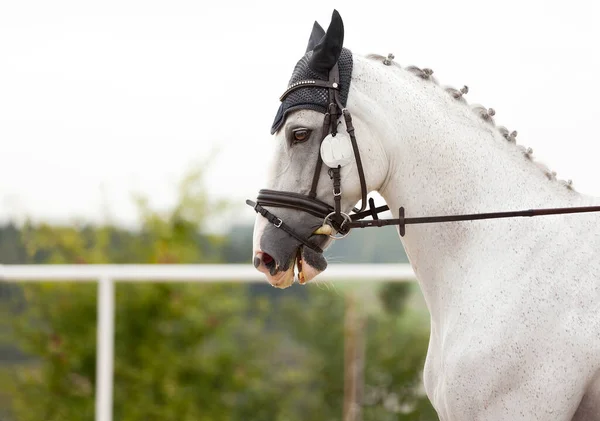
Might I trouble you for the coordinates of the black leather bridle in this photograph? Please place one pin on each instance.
(332, 215)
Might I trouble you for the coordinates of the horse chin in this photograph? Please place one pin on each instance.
(282, 279)
(309, 264)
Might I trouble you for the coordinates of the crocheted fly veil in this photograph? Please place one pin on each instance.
(312, 98)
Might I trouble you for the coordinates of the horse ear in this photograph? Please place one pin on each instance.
(315, 36)
(327, 52)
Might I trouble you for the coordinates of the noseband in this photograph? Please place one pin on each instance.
(331, 215)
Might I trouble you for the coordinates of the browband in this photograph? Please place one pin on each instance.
(306, 83)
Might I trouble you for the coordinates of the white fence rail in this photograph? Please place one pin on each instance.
(107, 275)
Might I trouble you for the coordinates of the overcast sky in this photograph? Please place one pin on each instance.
(100, 99)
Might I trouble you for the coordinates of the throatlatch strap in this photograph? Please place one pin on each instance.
(278, 223)
(359, 167)
(372, 211)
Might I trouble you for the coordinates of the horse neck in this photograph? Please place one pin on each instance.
(444, 159)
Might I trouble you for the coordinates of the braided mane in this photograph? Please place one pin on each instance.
(486, 114)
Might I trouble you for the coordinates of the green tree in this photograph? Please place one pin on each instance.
(183, 351)
(396, 347)
(396, 335)
(201, 351)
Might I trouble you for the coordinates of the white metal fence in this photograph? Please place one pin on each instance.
(107, 275)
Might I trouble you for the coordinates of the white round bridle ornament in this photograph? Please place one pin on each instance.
(337, 150)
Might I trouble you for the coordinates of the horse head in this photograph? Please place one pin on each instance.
(314, 149)
(351, 124)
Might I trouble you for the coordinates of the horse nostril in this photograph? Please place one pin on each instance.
(269, 263)
(263, 259)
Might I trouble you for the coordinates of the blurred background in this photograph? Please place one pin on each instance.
(129, 134)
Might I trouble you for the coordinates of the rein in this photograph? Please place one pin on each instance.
(333, 217)
(401, 221)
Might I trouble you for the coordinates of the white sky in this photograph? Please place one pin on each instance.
(100, 99)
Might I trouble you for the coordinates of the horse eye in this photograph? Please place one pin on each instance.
(301, 135)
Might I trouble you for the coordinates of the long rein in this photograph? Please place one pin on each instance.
(402, 221)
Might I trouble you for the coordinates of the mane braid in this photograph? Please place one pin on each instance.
(486, 114)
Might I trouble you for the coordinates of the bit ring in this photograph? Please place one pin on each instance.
(346, 219)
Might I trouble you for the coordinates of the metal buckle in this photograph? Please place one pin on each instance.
(337, 194)
(346, 219)
(278, 225)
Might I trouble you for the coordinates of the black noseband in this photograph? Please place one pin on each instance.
(282, 199)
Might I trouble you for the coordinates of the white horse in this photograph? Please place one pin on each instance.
(514, 303)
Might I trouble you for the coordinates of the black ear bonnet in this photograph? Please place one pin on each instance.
(327, 50)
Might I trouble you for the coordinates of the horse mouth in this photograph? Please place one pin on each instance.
(300, 274)
(308, 264)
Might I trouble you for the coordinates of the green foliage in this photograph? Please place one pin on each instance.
(315, 328)
(396, 342)
(183, 351)
(194, 355)
(175, 357)
(396, 353)
(57, 329)
(11, 247)
(201, 352)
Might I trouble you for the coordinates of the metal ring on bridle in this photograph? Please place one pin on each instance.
(346, 219)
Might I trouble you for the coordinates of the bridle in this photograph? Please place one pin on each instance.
(332, 215)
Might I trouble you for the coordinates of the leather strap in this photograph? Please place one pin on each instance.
(283, 199)
(329, 125)
(337, 189)
(317, 173)
(278, 223)
(310, 83)
(295, 201)
(372, 211)
(359, 167)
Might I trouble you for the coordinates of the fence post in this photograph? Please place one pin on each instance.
(354, 358)
(105, 342)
